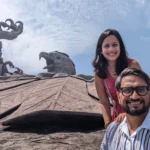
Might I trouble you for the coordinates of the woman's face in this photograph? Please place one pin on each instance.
(111, 48)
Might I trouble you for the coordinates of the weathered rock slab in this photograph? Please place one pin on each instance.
(51, 139)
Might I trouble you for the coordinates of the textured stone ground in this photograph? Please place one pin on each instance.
(51, 138)
(38, 99)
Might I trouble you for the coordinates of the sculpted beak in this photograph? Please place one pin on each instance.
(44, 55)
(49, 60)
(49, 67)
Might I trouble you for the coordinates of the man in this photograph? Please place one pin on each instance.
(134, 97)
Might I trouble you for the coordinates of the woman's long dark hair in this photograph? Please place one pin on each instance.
(100, 63)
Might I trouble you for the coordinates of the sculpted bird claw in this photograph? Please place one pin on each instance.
(16, 29)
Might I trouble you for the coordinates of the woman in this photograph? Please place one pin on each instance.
(110, 60)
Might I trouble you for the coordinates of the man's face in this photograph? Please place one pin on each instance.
(134, 104)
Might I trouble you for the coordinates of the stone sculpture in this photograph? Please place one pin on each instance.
(58, 62)
(1, 60)
(38, 109)
(13, 30)
(18, 71)
(60, 108)
(11, 65)
(0, 49)
(5, 69)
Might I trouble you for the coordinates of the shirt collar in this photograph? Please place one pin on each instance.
(123, 126)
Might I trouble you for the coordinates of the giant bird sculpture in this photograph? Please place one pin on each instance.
(57, 112)
(68, 93)
(46, 106)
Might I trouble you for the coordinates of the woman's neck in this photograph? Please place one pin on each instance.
(111, 64)
(111, 67)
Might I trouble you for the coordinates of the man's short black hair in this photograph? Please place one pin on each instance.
(132, 71)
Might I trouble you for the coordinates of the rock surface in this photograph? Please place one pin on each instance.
(51, 139)
(57, 110)
(68, 98)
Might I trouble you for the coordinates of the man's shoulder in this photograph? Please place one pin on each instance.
(112, 128)
(108, 139)
(113, 125)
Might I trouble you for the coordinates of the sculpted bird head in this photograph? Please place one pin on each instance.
(58, 62)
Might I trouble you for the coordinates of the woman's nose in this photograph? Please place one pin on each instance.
(111, 47)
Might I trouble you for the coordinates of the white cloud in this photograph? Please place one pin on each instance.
(141, 2)
(145, 38)
(64, 25)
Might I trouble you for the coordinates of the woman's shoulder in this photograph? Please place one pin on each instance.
(133, 63)
(96, 77)
(130, 60)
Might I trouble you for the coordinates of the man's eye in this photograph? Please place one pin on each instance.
(127, 90)
(141, 89)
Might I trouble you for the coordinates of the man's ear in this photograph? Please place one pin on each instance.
(118, 95)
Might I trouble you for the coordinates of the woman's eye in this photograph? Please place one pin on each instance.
(114, 45)
(106, 46)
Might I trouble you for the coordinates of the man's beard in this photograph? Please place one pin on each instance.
(136, 111)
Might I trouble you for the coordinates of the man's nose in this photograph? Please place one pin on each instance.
(134, 95)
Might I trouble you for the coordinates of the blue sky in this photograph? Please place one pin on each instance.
(73, 27)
